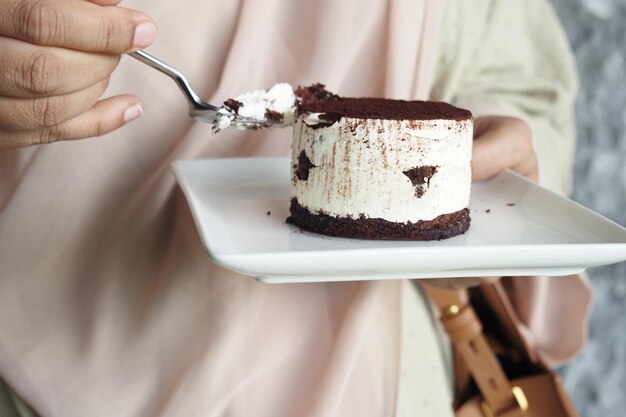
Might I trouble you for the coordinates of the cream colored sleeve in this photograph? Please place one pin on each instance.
(512, 58)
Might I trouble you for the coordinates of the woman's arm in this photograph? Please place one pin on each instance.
(511, 58)
(510, 63)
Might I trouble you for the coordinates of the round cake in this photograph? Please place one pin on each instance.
(381, 169)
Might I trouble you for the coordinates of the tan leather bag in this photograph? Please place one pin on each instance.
(498, 373)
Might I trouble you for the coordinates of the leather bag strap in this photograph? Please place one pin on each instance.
(463, 326)
(499, 302)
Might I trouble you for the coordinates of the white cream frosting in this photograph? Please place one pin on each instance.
(359, 167)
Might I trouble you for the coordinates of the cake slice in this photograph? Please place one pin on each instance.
(381, 169)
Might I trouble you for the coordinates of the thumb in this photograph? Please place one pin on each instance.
(77, 24)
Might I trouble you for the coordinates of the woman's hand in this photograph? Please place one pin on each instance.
(56, 57)
(499, 143)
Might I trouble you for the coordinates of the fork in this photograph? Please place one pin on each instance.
(199, 109)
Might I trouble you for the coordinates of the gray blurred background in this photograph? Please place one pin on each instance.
(597, 32)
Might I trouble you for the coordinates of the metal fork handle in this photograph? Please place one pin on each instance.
(194, 100)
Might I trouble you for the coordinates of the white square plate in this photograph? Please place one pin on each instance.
(518, 228)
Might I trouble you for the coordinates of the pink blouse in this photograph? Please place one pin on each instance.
(109, 305)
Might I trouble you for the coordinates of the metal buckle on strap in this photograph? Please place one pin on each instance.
(452, 310)
(520, 399)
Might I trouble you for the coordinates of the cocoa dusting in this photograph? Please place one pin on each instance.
(384, 109)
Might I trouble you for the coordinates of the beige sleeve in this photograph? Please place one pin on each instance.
(512, 58)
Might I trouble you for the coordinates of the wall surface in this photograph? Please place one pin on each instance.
(597, 31)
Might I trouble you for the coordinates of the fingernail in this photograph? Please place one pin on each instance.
(145, 33)
(133, 112)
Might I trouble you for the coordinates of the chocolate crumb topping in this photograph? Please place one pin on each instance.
(273, 115)
(233, 104)
(420, 177)
(314, 93)
(304, 166)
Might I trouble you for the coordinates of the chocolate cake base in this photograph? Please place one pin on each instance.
(442, 227)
